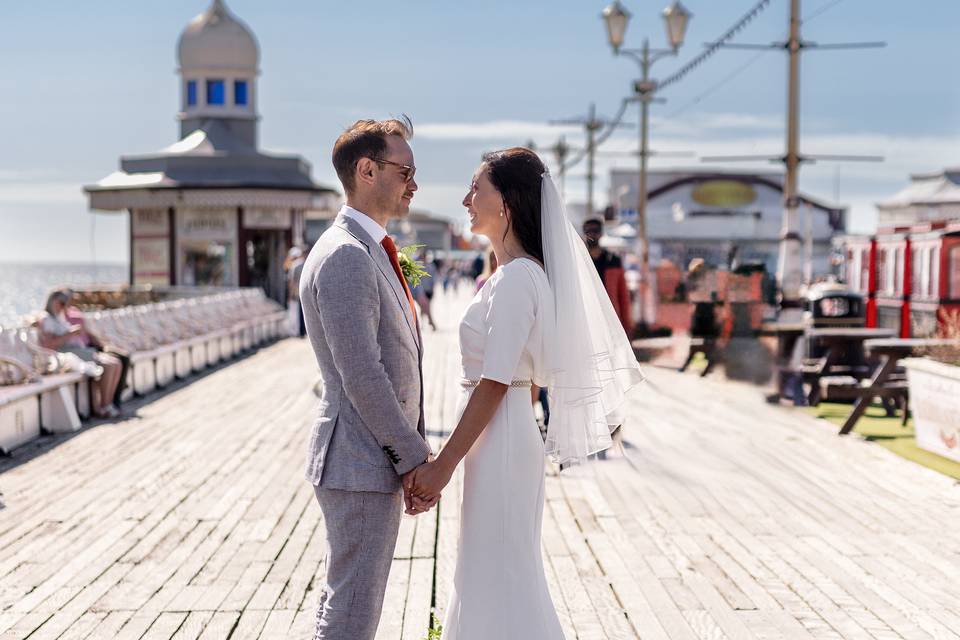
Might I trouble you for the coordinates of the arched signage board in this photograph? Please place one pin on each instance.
(724, 193)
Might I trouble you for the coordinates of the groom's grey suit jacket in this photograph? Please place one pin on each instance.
(370, 427)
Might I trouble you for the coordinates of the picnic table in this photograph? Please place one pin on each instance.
(890, 351)
(841, 359)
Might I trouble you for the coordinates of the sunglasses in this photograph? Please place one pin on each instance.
(407, 171)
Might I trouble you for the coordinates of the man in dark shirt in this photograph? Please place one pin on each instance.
(611, 273)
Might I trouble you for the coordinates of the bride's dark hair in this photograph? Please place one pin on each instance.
(516, 173)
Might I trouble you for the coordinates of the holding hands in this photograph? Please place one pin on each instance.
(422, 486)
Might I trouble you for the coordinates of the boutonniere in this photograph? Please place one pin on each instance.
(413, 270)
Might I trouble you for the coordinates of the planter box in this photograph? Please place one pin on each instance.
(935, 403)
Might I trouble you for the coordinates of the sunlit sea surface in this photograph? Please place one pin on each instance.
(24, 287)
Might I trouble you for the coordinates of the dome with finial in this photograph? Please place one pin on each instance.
(216, 39)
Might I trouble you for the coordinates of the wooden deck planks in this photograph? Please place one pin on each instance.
(719, 518)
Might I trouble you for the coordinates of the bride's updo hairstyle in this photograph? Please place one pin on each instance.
(516, 174)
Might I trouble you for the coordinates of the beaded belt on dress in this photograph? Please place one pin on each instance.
(468, 384)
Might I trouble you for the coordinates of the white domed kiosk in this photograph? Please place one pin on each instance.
(219, 59)
(212, 209)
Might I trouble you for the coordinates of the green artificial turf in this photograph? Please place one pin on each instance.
(887, 432)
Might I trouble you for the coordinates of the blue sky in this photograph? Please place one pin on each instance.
(83, 82)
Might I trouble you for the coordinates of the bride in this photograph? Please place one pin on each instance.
(542, 320)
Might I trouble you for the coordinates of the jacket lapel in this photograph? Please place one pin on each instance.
(380, 258)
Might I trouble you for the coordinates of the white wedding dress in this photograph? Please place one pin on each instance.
(499, 589)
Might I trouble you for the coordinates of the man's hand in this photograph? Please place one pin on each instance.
(415, 505)
(428, 481)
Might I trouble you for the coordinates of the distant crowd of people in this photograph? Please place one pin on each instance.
(450, 274)
(443, 274)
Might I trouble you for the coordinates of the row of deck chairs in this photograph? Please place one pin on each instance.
(44, 390)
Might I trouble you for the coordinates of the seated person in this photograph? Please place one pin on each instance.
(75, 317)
(58, 334)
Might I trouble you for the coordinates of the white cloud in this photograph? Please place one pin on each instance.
(857, 185)
(539, 131)
(715, 123)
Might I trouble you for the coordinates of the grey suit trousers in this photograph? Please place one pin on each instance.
(362, 529)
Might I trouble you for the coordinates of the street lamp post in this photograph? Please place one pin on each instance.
(616, 17)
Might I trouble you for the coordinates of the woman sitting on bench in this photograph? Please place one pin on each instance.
(58, 334)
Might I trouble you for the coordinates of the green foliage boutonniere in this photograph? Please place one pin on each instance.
(413, 270)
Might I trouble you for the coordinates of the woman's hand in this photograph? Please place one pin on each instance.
(430, 479)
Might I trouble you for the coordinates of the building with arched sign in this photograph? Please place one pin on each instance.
(716, 215)
(213, 209)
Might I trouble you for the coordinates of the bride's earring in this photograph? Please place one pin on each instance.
(501, 213)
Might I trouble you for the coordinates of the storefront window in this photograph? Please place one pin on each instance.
(935, 272)
(917, 283)
(865, 270)
(207, 247)
(883, 272)
(898, 272)
(953, 268)
(207, 264)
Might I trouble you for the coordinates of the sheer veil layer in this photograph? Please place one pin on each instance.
(590, 363)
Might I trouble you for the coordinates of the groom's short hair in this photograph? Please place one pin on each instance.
(366, 139)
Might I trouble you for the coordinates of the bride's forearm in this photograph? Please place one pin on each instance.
(483, 403)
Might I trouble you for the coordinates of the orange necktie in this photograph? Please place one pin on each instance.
(391, 249)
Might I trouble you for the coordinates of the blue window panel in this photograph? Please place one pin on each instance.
(191, 93)
(215, 92)
(240, 92)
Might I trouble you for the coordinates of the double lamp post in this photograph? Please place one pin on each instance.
(616, 18)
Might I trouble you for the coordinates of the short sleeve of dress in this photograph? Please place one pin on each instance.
(511, 312)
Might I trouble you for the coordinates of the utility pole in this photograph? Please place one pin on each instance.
(790, 259)
(591, 124)
(560, 152)
(789, 264)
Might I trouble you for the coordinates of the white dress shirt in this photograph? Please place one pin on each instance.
(371, 226)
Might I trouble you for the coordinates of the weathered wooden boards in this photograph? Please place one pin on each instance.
(721, 518)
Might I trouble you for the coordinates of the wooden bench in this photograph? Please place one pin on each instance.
(894, 394)
(43, 397)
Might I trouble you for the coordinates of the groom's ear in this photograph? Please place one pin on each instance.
(365, 171)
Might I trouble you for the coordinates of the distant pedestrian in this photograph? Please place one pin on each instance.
(293, 265)
(489, 267)
(612, 275)
(423, 292)
(703, 323)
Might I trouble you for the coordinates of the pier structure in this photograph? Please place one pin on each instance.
(722, 517)
(212, 208)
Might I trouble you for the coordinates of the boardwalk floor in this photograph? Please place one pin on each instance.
(721, 517)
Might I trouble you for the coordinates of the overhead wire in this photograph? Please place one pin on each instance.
(687, 68)
(827, 6)
(614, 122)
(719, 85)
(716, 44)
(823, 9)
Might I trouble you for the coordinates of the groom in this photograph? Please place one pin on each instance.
(361, 321)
